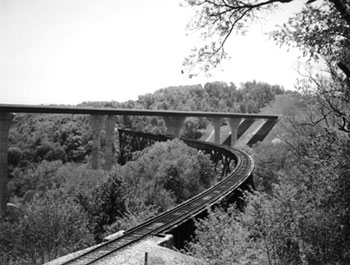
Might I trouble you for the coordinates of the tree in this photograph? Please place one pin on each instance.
(191, 129)
(167, 173)
(218, 19)
(221, 239)
(304, 220)
(321, 30)
(323, 33)
(51, 225)
(301, 220)
(104, 203)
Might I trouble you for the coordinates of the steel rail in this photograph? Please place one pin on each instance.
(183, 212)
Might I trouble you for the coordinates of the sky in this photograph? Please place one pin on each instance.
(73, 51)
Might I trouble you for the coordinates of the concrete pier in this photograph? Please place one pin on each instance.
(97, 122)
(217, 122)
(174, 125)
(109, 148)
(234, 124)
(5, 123)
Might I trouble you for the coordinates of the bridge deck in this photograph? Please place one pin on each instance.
(111, 111)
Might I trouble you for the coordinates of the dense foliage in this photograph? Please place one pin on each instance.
(36, 138)
(250, 97)
(300, 213)
(52, 224)
(49, 169)
(322, 31)
(168, 173)
(61, 207)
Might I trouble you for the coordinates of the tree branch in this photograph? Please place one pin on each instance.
(343, 9)
(230, 31)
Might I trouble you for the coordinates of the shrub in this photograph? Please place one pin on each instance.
(293, 225)
(104, 204)
(51, 225)
(221, 239)
(136, 213)
(37, 177)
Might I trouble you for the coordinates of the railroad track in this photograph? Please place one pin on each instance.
(239, 167)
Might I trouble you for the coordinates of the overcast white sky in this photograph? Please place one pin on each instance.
(70, 51)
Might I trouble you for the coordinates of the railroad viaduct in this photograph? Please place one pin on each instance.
(104, 118)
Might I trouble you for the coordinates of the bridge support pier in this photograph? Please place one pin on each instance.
(234, 124)
(173, 125)
(5, 123)
(217, 125)
(97, 122)
(109, 149)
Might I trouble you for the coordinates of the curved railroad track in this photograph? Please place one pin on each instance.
(237, 167)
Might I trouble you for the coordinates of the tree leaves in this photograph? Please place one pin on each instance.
(167, 173)
(216, 20)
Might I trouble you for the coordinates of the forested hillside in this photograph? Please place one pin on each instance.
(60, 204)
(250, 97)
(34, 137)
(301, 212)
